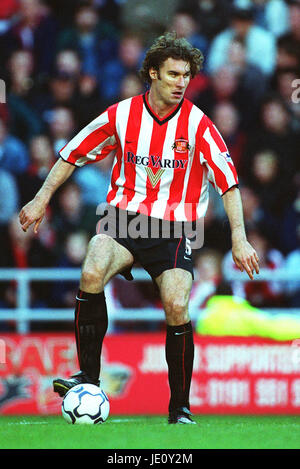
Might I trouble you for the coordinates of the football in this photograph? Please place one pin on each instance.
(85, 404)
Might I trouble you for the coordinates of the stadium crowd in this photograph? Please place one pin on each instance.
(64, 62)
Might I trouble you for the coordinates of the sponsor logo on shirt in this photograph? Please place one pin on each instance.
(155, 166)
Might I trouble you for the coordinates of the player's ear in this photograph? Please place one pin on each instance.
(153, 74)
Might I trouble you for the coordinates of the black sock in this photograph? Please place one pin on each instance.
(180, 358)
(90, 327)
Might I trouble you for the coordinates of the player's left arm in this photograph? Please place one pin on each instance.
(244, 255)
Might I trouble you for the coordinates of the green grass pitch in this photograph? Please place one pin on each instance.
(138, 432)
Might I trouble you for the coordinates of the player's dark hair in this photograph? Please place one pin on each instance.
(169, 46)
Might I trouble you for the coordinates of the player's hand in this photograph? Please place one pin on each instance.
(245, 258)
(33, 212)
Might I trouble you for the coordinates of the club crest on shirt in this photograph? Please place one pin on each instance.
(181, 145)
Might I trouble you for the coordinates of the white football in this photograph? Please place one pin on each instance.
(85, 404)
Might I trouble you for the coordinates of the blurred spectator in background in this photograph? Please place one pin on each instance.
(294, 22)
(94, 181)
(41, 161)
(130, 56)
(9, 198)
(208, 275)
(292, 265)
(284, 84)
(227, 120)
(272, 15)
(71, 215)
(185, 25)
(23, 251)
(260, 44)
(88, 104)
(253, 212)
(131, 85)
(216, 227)
(274, 132)
(94, 39)
(222, 87)
(148, 19)
(13, 152)
(252, 82)
(262, 293)
(33, 31)
(288, 54)
(24, 120)
(269, 181)
(212, 16)
(61, 127)
(67, 61)
(72, 256)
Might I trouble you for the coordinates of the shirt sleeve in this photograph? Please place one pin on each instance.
(94, 142)
(214, 155)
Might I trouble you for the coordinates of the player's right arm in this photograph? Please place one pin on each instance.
(34, 211)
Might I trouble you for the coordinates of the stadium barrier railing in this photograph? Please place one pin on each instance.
(23, 314)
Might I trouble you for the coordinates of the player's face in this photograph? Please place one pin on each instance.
(170, 83)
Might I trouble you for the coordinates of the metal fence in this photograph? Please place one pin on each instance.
(23, 314)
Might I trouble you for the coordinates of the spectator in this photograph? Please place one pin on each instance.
(94, 181)
(23, 250)
(223, 87)
(93, 38)
(13, 153)
(272, 15)
(131, 85)
(294, 21)
(289, 231)
(208, 275)
(212, 16)
(67, 61)
(60, 92)
(227, 120)
(72, 256)
(113, 72)
(61, 127)
(24, 120)
(36, 25)
(72, 215)
(260, 44)
(292, 266)
(9, 197)
(252, 83)
(260, 294)
(8, 17)
(253, 212)
(88, 104)
(274, 132)
(285, 79)
(185, 25)
(41, 160)
(288, 54)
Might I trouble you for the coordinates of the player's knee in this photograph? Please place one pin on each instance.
(91, 278)
(176, 311)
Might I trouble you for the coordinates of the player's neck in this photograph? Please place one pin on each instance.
(158, 105)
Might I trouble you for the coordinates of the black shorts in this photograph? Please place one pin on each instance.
(157, 245)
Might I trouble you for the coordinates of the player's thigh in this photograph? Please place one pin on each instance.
(106, 257)
(175, 287)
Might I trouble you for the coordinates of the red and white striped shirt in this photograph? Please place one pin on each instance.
(161, 167)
